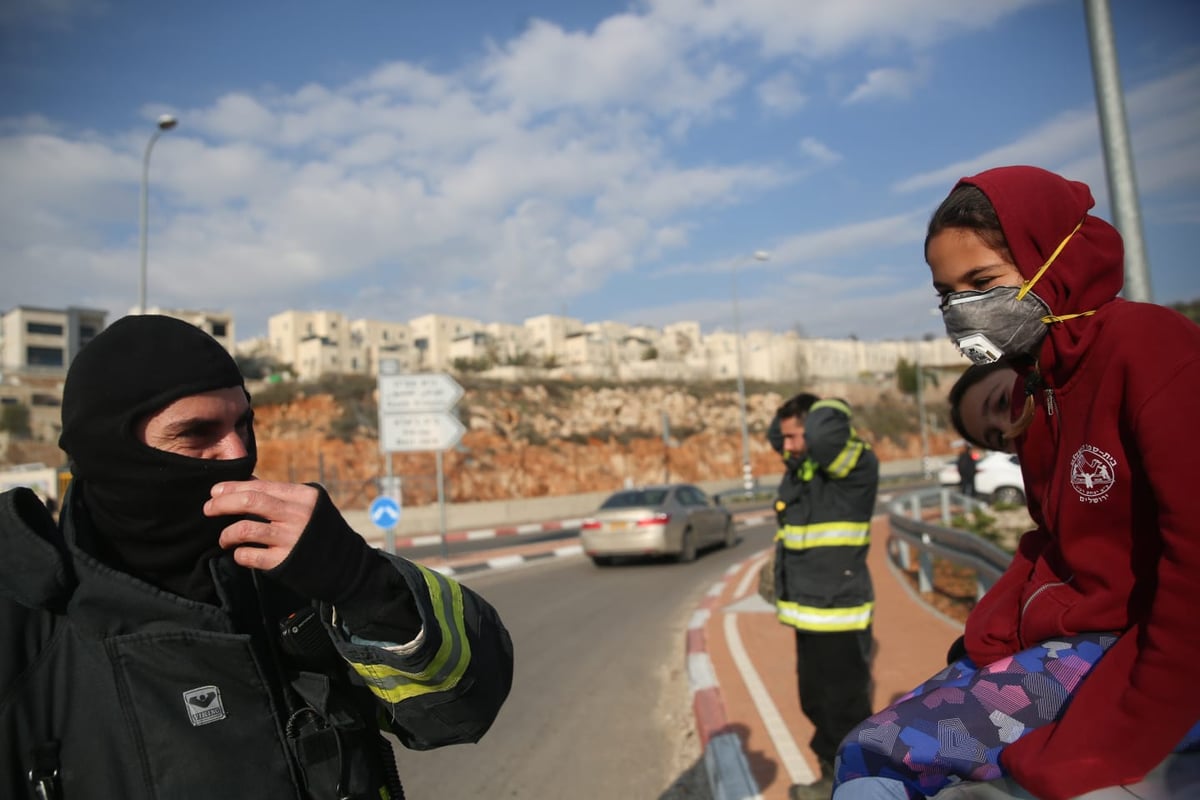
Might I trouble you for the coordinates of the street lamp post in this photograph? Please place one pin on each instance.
(165, 123)
(747, 470)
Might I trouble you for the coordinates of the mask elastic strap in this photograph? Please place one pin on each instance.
(1064, 317)
(1025, 287)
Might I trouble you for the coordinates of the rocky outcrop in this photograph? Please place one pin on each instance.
(537, 440)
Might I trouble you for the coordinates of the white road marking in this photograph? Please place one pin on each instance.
(795, 764)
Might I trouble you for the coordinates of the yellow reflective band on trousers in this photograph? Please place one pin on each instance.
(824, 534)
(448, 664)
(808, 618)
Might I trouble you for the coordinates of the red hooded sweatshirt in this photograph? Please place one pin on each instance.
(1111, 479)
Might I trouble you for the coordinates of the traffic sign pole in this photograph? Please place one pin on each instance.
(414, 416)
(441, 489)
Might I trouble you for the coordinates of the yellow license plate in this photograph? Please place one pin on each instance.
(619, 526)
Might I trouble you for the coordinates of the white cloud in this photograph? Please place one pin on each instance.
(517, 183)
(780, 95)
(1164, 126)
(886, 83)
(826, 28)
(239, 116)
(818, 151)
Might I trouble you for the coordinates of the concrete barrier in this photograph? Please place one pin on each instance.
(417, 520)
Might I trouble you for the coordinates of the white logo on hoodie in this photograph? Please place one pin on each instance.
(1093, 473)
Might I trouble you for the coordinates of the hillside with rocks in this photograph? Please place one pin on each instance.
(540, 439)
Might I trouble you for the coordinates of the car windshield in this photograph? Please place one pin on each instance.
(636, 498)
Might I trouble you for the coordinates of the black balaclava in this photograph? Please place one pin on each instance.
(145, 505)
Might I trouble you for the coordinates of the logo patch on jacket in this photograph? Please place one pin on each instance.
(1093, 473)
(204, 705)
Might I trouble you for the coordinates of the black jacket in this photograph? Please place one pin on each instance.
(135, 693)
(824, 511)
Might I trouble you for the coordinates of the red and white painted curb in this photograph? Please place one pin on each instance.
(507, 561)
(729, 775)
(478, 534)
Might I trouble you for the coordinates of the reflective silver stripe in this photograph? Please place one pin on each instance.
(449, 662)
(825, 534)
(809, 618)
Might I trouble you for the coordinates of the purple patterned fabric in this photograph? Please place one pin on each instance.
(954, 726)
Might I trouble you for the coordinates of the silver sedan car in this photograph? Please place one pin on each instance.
(672, 519)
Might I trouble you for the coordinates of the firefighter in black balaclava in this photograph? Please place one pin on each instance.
(187, 631)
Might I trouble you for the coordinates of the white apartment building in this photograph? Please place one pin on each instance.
(217, 324)
(379, 340)
(548, 336)
(34, 339)
(315, 343)
(433, 336)
(36, 347)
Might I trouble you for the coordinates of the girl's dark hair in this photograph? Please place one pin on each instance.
(971, 376)
(968, 207)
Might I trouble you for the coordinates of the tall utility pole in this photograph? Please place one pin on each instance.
(1118, 155)
(920, 371)
(165, 123)
(747, 470)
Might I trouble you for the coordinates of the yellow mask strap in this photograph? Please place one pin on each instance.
(1025, 287)
(1064, 317)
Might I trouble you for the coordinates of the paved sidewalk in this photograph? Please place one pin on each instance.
(742, 671)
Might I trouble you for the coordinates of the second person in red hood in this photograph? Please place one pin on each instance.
(1104, 424)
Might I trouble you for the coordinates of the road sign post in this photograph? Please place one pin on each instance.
(415, 416)
(385, 513)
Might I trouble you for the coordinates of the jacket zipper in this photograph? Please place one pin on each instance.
(43, 775)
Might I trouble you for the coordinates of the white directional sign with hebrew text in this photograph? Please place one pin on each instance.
(425, 430)
(415, 411)
(410, 394)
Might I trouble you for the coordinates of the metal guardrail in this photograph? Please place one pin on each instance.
(911, 530)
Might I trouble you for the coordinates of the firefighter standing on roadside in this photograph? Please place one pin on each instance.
(822, 586)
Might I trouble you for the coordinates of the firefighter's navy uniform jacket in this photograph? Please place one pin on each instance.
(824, 512)
(111, 688)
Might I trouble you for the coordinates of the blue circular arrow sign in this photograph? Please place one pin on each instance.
(385, 512)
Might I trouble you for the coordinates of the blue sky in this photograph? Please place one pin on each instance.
(604, 160)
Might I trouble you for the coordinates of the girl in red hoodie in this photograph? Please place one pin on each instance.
(1080, 664)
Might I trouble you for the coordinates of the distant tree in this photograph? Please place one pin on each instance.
(480, 364)
(257, 367)
(906, 377)
(14, 418)
(1189, 308)
(522, 358)
(650, 353)
(549, 362)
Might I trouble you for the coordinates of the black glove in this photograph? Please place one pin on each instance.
(334, 564)
(957, 651)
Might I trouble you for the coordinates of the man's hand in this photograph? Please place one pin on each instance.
(282, 512)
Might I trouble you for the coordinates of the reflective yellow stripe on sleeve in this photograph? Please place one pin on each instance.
(825, 534)
(847, 459)
(449, 662)
(835, 404)
(808, 618)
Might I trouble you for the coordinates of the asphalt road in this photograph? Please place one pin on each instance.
(600, 706)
